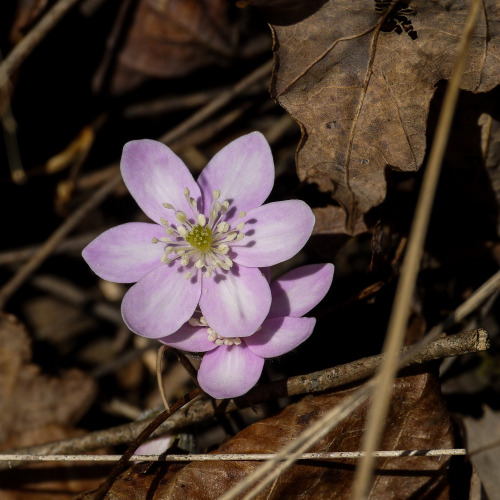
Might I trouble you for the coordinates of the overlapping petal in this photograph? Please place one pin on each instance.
(273, 233)
(124, 254)
(235, 303)
(243, 171)
(298, 291)
(280, 335)
(229, 372)
(154, 174)
(161, 302)
(190, 338)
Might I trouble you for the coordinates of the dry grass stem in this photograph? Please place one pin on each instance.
(231, 457)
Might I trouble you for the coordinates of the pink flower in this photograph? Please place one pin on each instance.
(232, 366)
(208, 240)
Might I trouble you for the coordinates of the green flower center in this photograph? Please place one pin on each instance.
(201, 244)
(200, 238)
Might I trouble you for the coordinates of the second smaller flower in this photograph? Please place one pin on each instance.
(231, 366)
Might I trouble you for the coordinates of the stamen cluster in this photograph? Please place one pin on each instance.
(212, 335)
(204, 243)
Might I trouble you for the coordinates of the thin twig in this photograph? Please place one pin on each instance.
(203, 410)
(231, 457)
(186, 364)
(411, 264)
(31, 40)
(219, 102)
(17, 173)
(159, 379)
(170, 103)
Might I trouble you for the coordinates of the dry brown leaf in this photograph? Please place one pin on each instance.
(362, 96)
(170, 39)
(483, 446)
(417, 420)
(30, 399)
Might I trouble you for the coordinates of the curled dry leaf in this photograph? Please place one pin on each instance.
(417, 420)
(360, 86)
(169, 39)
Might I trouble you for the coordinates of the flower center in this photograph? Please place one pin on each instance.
(204, 243)
(200, 238)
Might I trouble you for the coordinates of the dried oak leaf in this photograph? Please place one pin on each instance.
(30, 399)
(169, 39)
(417, 420)
(361, 88)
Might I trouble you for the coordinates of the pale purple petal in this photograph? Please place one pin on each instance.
(190, 338)
(155, 446)
(274, 233)
(243, 171)
(280, 335)
(229, 372)
(154, 174)
(161, 302)
(235, 303)
(298, 291)
(124, 254)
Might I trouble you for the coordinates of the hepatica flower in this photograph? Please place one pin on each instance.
(232, 365)
(207, 241)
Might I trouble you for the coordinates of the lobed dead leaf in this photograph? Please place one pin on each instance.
(360, 81)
